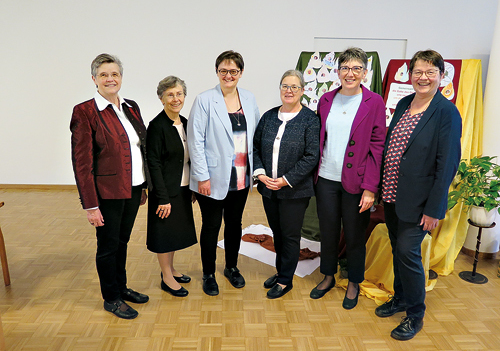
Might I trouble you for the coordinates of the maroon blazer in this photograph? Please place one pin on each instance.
(363, 155)
(100, 151)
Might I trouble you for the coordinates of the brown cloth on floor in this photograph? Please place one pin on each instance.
(266, 241)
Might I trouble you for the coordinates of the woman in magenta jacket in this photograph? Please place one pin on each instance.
(351, 145)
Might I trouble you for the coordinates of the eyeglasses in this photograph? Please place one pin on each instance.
(106, 76)
(171, 96)
(293, 88)
(430, 73)
(233, 72)
(356, 70)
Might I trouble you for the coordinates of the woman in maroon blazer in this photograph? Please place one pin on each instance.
(351, 145)
(108, 140)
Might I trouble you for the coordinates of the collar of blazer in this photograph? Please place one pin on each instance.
(170, 121)
(438, 97)
(221, 110)
(361, 114)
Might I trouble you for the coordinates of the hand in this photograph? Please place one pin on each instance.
(204, 187)
(271, 183)
(144, 197)
(163, 211)
(429, 223)
(281, 182)
(367, 200)
(95, 217)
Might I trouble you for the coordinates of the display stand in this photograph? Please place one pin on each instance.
(473, 277)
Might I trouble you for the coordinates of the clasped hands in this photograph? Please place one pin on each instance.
(271, 183)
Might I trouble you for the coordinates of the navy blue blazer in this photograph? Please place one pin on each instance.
(430, 161)
(298, 154)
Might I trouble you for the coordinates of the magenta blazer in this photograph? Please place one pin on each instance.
(363, 155)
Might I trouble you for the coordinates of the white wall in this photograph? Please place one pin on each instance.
(46, 48)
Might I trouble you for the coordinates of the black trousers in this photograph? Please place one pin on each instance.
(212, 211)
(409, 275)
(285, 217)
(335, 207)
(112, 239)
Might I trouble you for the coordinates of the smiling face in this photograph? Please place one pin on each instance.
(423, 85)
(350, 81)
(228, 81)
(108, 80)
(288, 97)
(173, 101)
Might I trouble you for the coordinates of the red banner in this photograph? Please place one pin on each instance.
(397, 84)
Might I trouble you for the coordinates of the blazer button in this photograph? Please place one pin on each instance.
(404, 157)
(349, 165)
(350, 154)
(352, 142)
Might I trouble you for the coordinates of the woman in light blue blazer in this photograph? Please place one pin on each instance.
(221, 126)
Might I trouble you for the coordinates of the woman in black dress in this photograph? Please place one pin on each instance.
(170, 212)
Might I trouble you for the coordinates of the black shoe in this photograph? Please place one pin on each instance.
(179, 293)
(348, 303)
(182, 279)
(120, 309)
(277, 291)
(210, 286)
(134, 296)
(317, 293)
(271, 281)
(234, 276)
(408, 328)
(391, 307)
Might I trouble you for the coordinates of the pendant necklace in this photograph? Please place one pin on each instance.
(342, 102)
(236, 117)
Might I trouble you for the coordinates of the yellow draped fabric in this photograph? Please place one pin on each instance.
(441, 248)
(449, 237)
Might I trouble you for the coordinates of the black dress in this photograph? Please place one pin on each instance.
(165, 152)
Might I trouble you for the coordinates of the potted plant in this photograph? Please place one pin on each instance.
(477, 185)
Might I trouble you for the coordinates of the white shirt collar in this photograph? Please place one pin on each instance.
(287, 116)
(102, 103)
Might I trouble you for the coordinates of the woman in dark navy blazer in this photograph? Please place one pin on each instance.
(351, 144)
(170, 213)
(421, 157)
(286, 150)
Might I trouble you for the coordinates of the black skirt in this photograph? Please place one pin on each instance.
(175, 232)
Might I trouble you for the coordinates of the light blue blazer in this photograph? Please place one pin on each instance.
(210, 139)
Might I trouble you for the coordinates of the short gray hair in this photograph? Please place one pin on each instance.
(168, 83)
(105, 58)
(294, 73)
(353, 53)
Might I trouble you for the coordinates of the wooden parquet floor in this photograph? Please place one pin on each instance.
(54, 301)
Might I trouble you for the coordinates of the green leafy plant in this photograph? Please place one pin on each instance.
(477, 183)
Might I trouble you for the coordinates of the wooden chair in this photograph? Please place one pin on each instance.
(3, 257)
